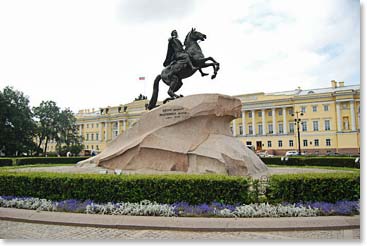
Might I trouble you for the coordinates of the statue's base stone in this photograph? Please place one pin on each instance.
(187, 135)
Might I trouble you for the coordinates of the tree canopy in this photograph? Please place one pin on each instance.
(17, 125)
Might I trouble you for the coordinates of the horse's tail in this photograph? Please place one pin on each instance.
(153, 100)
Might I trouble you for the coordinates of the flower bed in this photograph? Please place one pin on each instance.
(148, 208)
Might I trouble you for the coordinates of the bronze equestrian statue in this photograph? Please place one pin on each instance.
(181, 63)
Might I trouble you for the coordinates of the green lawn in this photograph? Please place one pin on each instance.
(318, 167)
(34, 165)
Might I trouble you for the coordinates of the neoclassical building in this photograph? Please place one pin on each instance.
(329, 120)
(329, 123)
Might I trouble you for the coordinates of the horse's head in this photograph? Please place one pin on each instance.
(194, 35)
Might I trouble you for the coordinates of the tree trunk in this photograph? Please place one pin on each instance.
(45, 150)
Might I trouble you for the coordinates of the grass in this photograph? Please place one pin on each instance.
(34, 165)
(318, 167)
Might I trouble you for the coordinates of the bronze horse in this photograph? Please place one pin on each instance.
(173, 74)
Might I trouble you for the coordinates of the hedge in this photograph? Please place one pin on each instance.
(326, 187)
(6, 162)
(194, 189)
(313, 161)
(48, 160)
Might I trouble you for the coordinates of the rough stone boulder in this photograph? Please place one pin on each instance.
(190, 135)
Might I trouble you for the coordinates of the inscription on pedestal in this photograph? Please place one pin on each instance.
(174, 113)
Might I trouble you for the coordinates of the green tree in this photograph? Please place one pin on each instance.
(17, 124)
(68, 134)
(47, 115)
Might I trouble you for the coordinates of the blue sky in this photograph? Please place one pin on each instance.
(90, 54)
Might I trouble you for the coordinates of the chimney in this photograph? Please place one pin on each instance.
(333, 84)
(341, 83)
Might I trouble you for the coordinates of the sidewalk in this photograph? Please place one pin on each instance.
(182, 223)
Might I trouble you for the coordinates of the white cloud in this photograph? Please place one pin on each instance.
(85, 54)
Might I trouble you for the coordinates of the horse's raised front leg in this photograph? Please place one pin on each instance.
(211, 65)
(202, 73)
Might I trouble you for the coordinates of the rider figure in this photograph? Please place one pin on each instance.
(176, 52)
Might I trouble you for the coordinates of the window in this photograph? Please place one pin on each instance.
(97, 147)
(87, 125)
(241, 130)
(316, 142)
(250, 114)
(231, 130)
(344, 105)
(270, 128)
(92, 137)
(92, 147)
(260, 127)
(250, 131)
(327, 125)
(280, 127)
(303, 109)
(305, 143)
(92, 127)
(97, 135)
(97, 127)
(290, 111)
(87, 146)
(314, 108)
(315, 125)
(304, 126)
(269, 144)
(270, 113)
(326, 107)
(328, 142)
(291, 127)
(259, 113)
(280, 112)
(280, 143)
(87, 137)
(290, 143)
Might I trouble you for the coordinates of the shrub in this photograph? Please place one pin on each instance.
(48, 160)
(313, 161)
(193, 189)
(328, 187)
(6, 162)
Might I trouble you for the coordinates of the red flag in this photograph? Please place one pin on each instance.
(141, 78)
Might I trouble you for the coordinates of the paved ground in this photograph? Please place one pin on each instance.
(20, 230)
(94, 169)
(30, 224)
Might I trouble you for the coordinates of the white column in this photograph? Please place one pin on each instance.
(118, 127)
(263, 121)
(105, 133)
(234, 127)
(81, 130)
(338, 117)
(100, 132)
(352, 115)
(124, 125)
(274, 121)
(244, 123)
(285, 129)
(253, 122)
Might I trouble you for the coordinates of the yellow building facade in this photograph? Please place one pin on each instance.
(330, 121)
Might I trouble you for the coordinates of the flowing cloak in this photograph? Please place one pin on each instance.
(171, 51)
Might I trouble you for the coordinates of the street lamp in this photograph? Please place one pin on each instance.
(297, 120)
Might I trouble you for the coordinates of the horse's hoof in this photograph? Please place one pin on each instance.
(181, 96)
(213, 76)
(204, 74)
